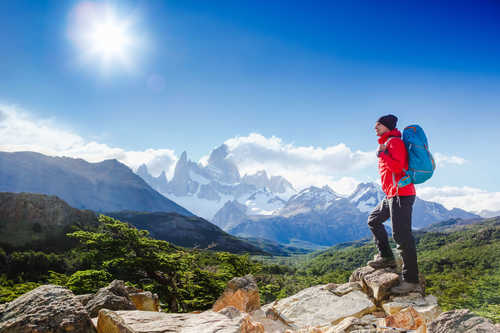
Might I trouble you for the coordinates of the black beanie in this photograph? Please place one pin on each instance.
(388, 121)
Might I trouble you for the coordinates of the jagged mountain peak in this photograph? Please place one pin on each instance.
(221, 167)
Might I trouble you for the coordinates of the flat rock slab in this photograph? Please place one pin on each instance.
(159, 322)
(317, 306)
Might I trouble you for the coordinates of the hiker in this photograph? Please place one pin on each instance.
(397, 205)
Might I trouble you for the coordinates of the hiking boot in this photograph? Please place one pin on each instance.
(406, 287)
(382, 262)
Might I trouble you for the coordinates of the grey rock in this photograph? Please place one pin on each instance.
(316, 306)
(231, 312)
(112, 297)
(46, 309)
(461, 321)
(84, 299)
(159, 322)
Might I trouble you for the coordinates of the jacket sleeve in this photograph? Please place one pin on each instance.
(395, 155)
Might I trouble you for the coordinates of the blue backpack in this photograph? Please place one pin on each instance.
(421, 164)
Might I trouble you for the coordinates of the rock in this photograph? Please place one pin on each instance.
(376, 282)
(84, 299)
(112, 297)
(461, 321)
(358, 274)
(408, 319)
(48, 308)
(160, 322)
(109, 322)
(248, 326)
(241, 293)
(427, 307)
(145, 301)
(270, 324)
(350, 324)
(318, 307)
(380, 282)
(343, 289)
(231, 312)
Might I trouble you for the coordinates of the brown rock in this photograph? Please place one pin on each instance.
(407, 319)
(145, 301)
(46, 309)
(461, 321)
(112, 297)
(110, 322)
(241, 293)
(248, 326)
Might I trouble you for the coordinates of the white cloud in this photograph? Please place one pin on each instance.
(442, 159)
(468, 198)
(20, 131)
(302, 166)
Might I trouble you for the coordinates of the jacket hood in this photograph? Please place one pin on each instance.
(395, 132)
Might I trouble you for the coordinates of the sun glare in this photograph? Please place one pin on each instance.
(102, 35)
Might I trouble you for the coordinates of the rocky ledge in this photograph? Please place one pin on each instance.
(362, 305)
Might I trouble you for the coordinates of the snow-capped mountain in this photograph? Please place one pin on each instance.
(314, 215)
(205, 189)
(310, 199)
(257, 205)
(366, 196)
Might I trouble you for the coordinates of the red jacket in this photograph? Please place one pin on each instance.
(392, 161)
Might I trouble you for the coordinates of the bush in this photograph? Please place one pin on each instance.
(88, 281)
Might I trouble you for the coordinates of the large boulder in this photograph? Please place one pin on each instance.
(241, 293)
(159, 322)
(112, 297)
(319, 307)
(110, 322)
(461, 321)
(48, 308)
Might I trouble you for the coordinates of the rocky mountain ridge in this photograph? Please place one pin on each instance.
(104, 186)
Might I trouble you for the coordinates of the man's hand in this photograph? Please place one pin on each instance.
(381, 148)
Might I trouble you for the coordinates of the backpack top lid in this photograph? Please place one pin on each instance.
(414, 134)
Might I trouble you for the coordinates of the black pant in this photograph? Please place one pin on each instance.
(400, 213)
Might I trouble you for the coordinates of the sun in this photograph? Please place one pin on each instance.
(109, 40)
(102, 35)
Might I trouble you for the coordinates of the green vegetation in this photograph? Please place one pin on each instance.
(461, 267)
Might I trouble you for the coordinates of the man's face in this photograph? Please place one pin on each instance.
(380, 129)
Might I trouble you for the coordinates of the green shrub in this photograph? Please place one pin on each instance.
(88, 281)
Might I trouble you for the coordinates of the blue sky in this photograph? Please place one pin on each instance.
(311, 73)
